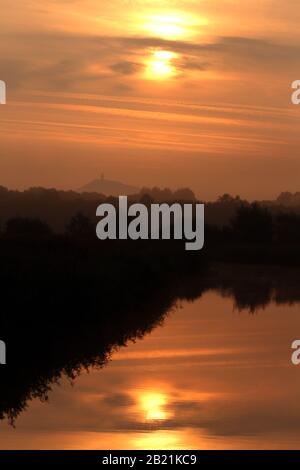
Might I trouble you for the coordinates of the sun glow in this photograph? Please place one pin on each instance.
(169, 27)
(153, 406)
(173, 25)
(159, 66)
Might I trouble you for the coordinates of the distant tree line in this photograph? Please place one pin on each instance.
(57, 207)
(251, 223)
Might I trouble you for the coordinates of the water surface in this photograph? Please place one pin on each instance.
(210, 377)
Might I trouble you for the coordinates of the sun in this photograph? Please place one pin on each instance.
(153, 406)
(171, 28)
(160, 65)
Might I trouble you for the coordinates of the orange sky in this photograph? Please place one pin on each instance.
(161, 93)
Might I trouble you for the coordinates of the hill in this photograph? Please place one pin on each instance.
(109, 188)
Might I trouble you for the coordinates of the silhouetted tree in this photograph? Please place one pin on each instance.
(184, 194)
(253, 224)
(146, 199)
(80, 226)
(289, 199)
(26, 227)
(287, 228)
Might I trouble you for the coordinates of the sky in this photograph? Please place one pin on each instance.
(167, 93)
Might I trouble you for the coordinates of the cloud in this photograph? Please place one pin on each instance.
(118, 400)
(236, 417)
(126, 67)
(69, 61)
(187, 63)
